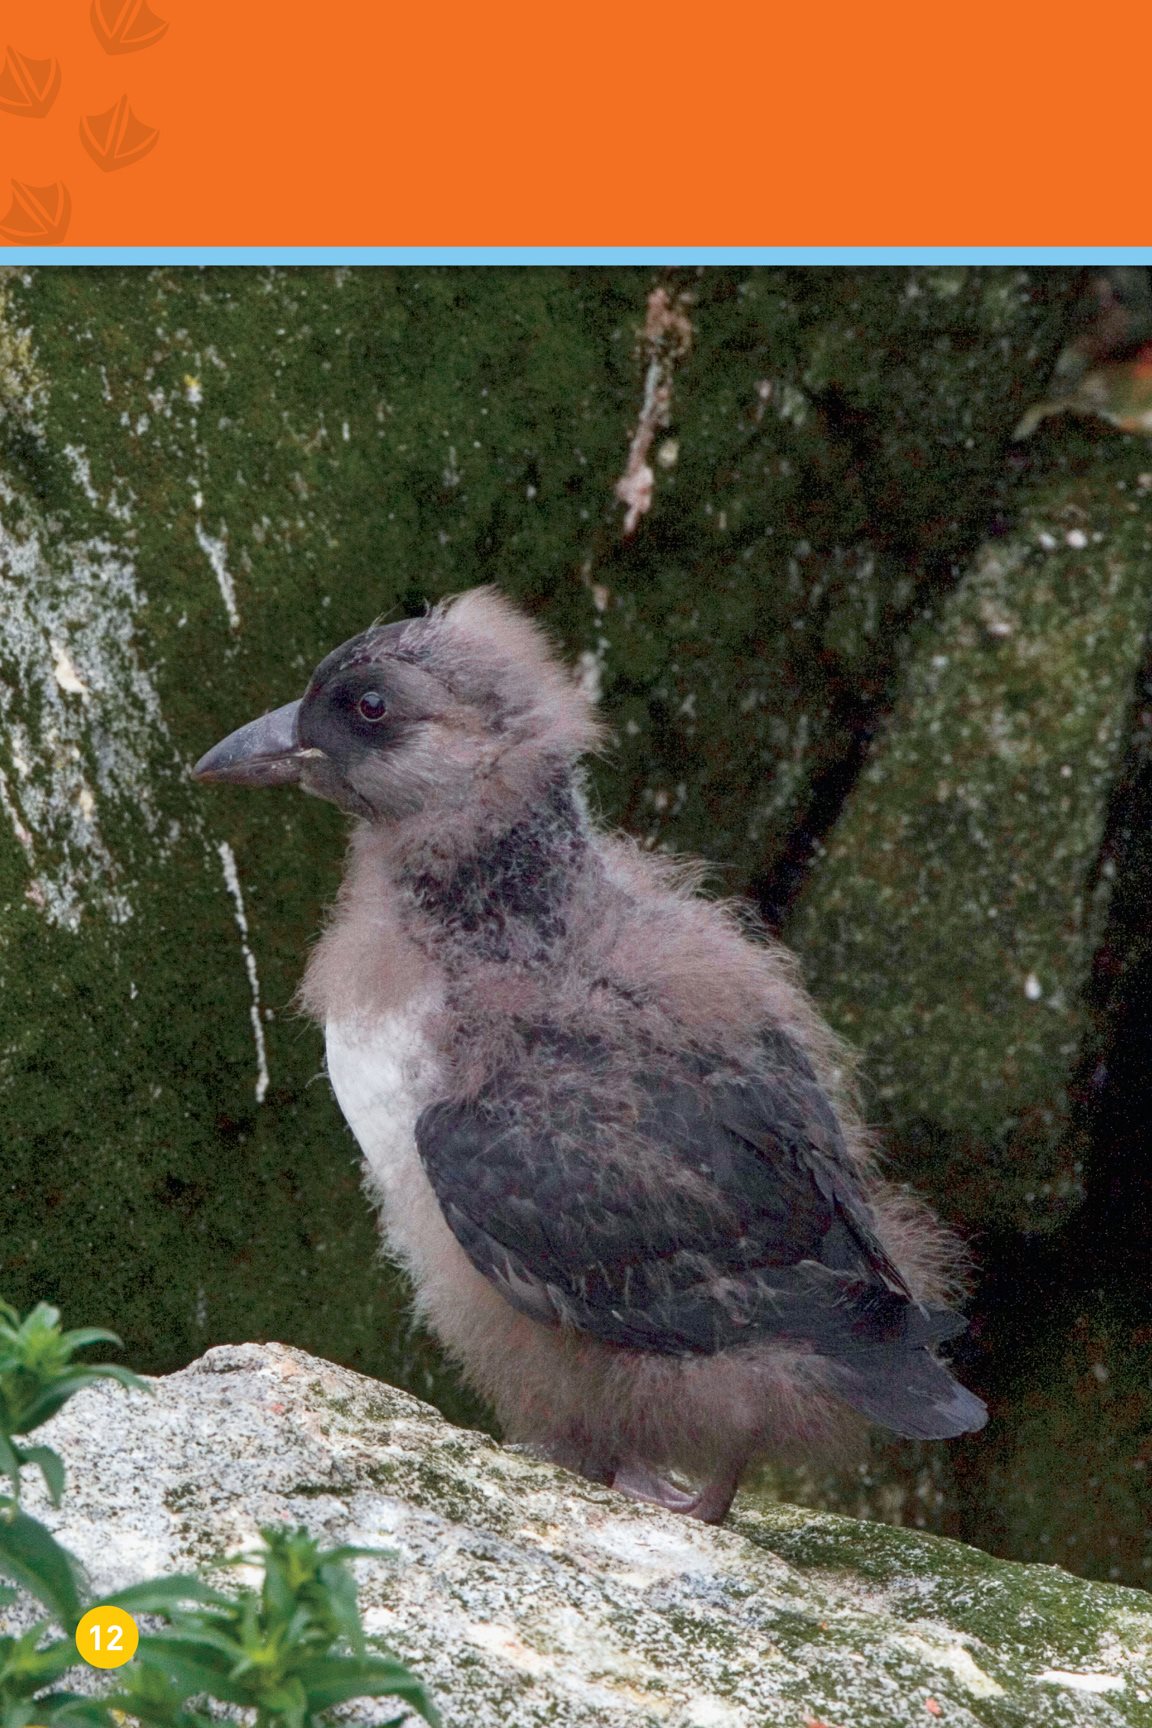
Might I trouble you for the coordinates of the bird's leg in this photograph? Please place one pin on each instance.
(715, 1498)
(710, 1505)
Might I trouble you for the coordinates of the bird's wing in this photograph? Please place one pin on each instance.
(733, 1214)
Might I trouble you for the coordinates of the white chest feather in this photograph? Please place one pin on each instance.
(383, 1073)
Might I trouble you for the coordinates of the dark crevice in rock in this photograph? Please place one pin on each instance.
(774, 891)
(1114, 1084)
(860, 708)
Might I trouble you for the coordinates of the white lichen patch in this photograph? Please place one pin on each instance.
(655, 1551)
(80, 718)
(22, 390)
(114, 505)
(506, 1644)
(954, 1659)
(590, 666)
(714, 1713)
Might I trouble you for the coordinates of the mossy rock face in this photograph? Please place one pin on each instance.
(975, 929)
(212, 476)
(950, 930)
(837, 440)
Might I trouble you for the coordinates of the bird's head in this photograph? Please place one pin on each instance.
(467, 704)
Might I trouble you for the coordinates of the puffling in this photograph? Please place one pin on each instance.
(610, 1138)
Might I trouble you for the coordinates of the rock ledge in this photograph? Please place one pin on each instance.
(525, 1597)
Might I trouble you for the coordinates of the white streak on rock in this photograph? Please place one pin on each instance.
(667, 337)
(66, 674)
(215, 550)
(232, 880)
(1082, 1682)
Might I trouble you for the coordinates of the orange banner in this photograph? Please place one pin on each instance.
(204, 123)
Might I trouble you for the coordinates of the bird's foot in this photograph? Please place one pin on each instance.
(640, 1483)
(710, 1505)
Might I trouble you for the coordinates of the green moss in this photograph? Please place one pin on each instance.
(1022, 1611)
(950, 929)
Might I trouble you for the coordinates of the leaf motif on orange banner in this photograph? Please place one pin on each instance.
(116, 138)
(28, 87)
(39, 215)
(125, 26)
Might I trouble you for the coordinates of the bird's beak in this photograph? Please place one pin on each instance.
(266, 752)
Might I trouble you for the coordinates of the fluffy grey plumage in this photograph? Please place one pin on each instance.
(611, 1139)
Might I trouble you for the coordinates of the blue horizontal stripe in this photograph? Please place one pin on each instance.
(656, 255)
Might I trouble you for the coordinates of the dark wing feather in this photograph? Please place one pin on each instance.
(745, 1219)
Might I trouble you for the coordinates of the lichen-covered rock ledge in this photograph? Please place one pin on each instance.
(525, 1596)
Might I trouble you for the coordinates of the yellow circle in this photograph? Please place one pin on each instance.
(107, 1637)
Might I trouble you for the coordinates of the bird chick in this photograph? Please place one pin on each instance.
(609, 1136)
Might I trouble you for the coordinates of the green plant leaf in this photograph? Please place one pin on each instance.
(29, 1667)
(343, 1605)
(9, 1458)
(162, 1595)
(154, 1697)
(71, 1710)
(192, 1664)
(90, 1371)
(50, 1465)
(84, 1335)
(31, 1556)
(57, 1392)
(44, 1404)
(331, 1680)
(288, 1701)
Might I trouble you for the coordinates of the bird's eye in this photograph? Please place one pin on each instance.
(372, 706)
